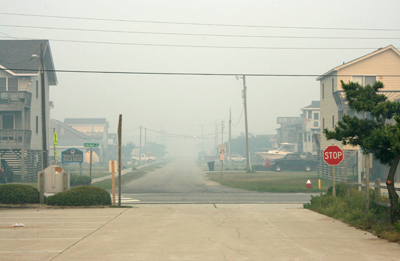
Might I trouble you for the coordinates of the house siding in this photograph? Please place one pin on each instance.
(330, 108)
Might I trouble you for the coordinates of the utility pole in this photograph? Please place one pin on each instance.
(145, 141)
(222, 132)
(140, 146)
(119, 157)
(202, 138)
(230, 126)
(246, 127)
(44, 129)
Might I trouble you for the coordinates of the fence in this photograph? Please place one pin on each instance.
(377, 187)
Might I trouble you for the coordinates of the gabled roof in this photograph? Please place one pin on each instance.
(90, 121)
(380, 50)
(16, 58)
(69, 128)
(313, 105)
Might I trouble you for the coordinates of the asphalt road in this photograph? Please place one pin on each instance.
(183, 182)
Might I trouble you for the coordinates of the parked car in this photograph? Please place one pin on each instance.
(293, 161)
(6, 174)
(236, 158)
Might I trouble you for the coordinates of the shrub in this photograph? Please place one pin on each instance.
(81, 196)
(79, 180)
(18, 194)
(341, 190)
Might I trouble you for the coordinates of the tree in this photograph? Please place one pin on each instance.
(126, 151)
(378, 134)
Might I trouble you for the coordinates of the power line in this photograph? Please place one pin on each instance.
(204, 24)
(188, 73)
(211, 46)
(202, 35)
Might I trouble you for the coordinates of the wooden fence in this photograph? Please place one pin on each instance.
(377, 187)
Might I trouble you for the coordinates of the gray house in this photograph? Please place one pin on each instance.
(20, 104)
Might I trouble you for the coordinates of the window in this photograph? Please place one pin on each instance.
(323, 91)
(316, 116)
(3, 84)
(309, 115)
(305, 137)
(351, 113)
(12, 84)
(333, 121)
(364, 80)
(37, 124)
(333, 85)
(323, 123)
(316, 123)
(37, 89)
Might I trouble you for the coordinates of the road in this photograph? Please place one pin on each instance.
(183, 182)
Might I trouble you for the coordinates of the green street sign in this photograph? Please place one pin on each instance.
(91, 145)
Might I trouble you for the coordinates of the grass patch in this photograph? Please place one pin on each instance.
(352, 211)
(107, 184)
(270, 181)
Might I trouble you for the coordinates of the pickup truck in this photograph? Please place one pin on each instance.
(144, 158)
(292, 161)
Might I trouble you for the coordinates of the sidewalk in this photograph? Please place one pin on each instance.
(123, 172)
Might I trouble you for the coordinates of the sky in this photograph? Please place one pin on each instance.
(113, 41)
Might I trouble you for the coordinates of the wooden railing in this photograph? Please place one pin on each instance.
(16, 98)
(377, 187)
(15, 136)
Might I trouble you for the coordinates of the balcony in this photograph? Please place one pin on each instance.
(15, 139)
(11, 101)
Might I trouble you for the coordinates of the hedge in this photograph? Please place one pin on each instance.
(81, 196)
(18, 194)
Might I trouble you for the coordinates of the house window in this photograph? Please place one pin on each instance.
(364, 80)
(12, 84)
(333, 121)
(333, 85)
(3, 84)
(323, 91)
(316, 116)
(316, 123)
(323, 123)
(309, 115)
(305, 137)
(37, 89)
(37, 124)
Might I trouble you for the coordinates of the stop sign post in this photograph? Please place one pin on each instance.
(333, 155)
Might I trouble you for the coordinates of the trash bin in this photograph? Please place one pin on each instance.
(211, 165)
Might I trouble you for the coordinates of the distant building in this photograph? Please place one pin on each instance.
(20, 105)
(96, 129)
(311, 127)
(291, 131)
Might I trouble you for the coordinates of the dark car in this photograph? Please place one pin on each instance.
(292, 161)
(6, 174)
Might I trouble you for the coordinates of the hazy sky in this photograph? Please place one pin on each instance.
(191, 31)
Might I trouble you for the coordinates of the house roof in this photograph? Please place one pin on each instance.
(380, 50)
(94, 121)
(71, 129)
(16, 58)
(313, 105)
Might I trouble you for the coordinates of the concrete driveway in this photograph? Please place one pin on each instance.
(185, 232)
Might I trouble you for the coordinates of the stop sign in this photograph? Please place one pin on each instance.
(333, 155)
